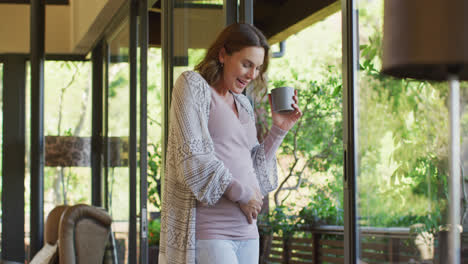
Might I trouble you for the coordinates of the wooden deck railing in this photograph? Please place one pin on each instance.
(324, 244)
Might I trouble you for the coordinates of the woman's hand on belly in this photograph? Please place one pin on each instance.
(252, 208)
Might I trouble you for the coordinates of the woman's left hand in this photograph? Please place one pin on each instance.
(286, 121)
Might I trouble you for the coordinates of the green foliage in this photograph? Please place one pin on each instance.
(196, 56)
(313, 146)
(67, 110)
(154, 230)
(278, 83)
(322, 209)
(120, 80)
(68, 132)
(280, 220)
(402, 142)
(154, 174)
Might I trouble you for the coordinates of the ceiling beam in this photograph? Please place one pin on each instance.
(280, 19)
(48, 2)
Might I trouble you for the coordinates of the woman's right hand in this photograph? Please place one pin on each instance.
(252, 208)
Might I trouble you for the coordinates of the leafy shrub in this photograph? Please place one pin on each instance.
(321, 210)
(154, 174)
(280, 221)
(154, 230)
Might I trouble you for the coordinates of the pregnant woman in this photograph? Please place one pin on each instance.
(216, 171)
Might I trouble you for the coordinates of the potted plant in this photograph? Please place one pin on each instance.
(154, 229)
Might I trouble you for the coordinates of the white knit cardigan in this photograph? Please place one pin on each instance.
(192, 171)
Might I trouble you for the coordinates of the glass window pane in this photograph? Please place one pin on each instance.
(67, 128)
(118, 134)
(196, 24)
(154, 132)
(403, 142)
(308, 205)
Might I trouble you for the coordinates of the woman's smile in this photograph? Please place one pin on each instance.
(242, 83)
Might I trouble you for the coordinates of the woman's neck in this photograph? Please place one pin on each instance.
(222, 91)
(226, 95)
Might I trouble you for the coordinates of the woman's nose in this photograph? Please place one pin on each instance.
(251, 73)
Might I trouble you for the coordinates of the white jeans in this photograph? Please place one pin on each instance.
(217, 251)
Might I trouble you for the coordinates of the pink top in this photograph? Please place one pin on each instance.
(233, 139)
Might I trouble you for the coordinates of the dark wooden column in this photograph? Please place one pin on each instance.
(13, 153)
(37, 124)
(97, 125)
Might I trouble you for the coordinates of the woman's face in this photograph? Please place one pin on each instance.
(240, 68)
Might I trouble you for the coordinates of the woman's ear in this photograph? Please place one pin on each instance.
(221, 55)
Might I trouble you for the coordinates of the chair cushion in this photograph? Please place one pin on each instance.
(47, 255)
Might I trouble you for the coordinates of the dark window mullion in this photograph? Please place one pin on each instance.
(13, 165)
(143, 14)
(167, 26)
(37, 124)
(350, 63)
(105, 145)
(96, 136)
(132, 243)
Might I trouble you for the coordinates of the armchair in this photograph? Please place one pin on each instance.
(81, 232)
